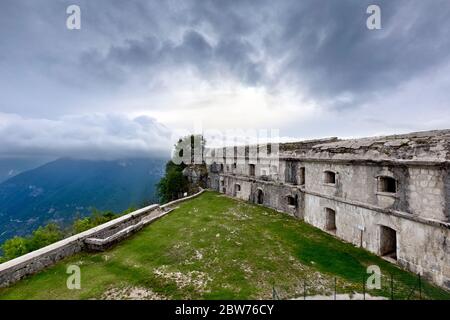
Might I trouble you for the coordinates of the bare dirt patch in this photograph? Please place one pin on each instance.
(131, 293)
(355, 296)
(196, 279)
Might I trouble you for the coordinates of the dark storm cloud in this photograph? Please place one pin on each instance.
(333, 52)
(320, 48)
(151, 55)
(326, 46)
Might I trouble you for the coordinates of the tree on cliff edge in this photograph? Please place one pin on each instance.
(174, 184)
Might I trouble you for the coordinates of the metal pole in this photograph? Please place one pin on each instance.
(275, 294)
(364, 287)
(304, 289)
(335, 288)
(392, 286)
(420, 287)
(361, 239)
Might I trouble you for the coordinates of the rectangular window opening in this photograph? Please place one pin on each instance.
(330, 177)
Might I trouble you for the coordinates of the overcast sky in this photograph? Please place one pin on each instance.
(139, 70)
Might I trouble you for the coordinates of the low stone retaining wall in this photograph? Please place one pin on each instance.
(102, 244)
(103, 236)
(172, 203)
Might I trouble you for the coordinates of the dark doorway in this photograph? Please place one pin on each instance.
(388, 242)
(291, 172)
(330, 219)
(252, 170)
(291, 201)
(302, 176)
(237, 188)
(259, 197)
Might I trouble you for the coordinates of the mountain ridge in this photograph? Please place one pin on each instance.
(64, 189)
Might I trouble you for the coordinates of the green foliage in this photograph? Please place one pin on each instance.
(14, 247)
(41, 237)
(52, 233)
(173, 184)
(97, 218)
(81, 225)
(44, 236)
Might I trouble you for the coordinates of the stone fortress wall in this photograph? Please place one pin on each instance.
(389, 195)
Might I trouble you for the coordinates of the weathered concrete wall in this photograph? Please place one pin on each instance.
(353, 182)
(274, 195)
(395, 188)
(214, 181)
(420, 247)
(417, 211)
(420, 191)
(245, 188)
(447, 194)
(427, 192)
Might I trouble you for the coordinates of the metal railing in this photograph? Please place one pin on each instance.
(391, 288)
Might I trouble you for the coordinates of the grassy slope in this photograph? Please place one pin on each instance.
(217, 247)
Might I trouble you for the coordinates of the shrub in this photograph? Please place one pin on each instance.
(41, 237)
(14, 248)
(97, 218)
(81, 225)
(44, 236)
(51, 233)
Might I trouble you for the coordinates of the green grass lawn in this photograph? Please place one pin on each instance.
(214, 247)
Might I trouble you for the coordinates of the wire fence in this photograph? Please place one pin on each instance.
(391, 287)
